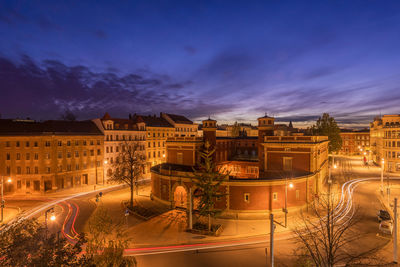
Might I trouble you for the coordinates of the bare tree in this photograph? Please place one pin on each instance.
(106, 241)
(129, 165)
(325, 237)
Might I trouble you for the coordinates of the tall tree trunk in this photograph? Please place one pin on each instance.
(137, 187)
(131, 204)
(209, 222)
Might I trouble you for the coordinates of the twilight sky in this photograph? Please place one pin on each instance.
(233, 60)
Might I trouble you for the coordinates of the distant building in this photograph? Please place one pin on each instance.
(355, 142)
(249, 130)
(158, 129)
(385, 141)
(183, 126)
(45, 156)
(261, 167)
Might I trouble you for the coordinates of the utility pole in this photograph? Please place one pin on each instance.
(190, 209)
(395, 232)
(388, 189)
(286, 203)
(382, 167)
(2, 198)
(271, 240)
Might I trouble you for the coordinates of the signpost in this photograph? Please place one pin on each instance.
(126, 216)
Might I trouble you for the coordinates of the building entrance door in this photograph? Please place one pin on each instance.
(180, 197)
(47, 185)
(36, 185)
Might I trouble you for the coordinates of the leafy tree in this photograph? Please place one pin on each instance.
(325, 238)
(128, 166)
(27, 244)
(327, 126)
(235, 131)
(106, 242)
(208, 180)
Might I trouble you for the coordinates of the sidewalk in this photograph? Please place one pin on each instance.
(169, 228)
(9, 213)
(58, 194)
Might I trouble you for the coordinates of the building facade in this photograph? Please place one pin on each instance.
(385, 134)
(117, 133)
(45, 156)
(355, 142)
(260, 169)
(183, 126)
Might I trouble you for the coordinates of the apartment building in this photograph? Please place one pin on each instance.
(355, 142)
(385, 135)
(45, 156)
(117, 133)
(183, 126)
(158, 129)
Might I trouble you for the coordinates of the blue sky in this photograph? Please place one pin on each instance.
(232, 60)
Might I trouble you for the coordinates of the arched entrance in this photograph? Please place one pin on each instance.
(180, 197)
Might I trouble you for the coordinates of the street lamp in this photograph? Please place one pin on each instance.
(104, 169)
(382, 167)
(2, 195)
(52, 217)
(330, 172)
(286, 211)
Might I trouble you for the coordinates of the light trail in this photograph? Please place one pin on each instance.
(341, 211)
(43, 207)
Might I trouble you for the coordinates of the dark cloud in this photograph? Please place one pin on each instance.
(11, 16)
(46, 24)
(100, 34)
(321, 72)
(190, 49)
(46, 89)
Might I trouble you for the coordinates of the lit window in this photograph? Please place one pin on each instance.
(247, 197)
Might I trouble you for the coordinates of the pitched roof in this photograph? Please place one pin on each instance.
(56, 127)
(179, 119)
(153, 121)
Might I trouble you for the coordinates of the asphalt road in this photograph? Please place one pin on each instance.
(364, 201)
(73, 213)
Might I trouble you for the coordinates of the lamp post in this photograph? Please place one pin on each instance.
(2, 195)
(286, 211)
(104, 169)
(330, 172)
(382, 167)
(52, 217)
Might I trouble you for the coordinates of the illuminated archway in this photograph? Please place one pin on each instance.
(180, 197)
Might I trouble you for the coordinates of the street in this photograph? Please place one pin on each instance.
(361, 194)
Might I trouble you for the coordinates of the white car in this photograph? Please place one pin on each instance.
(386, 227)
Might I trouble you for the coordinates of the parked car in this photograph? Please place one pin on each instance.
(386, 227)
(383, 215)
